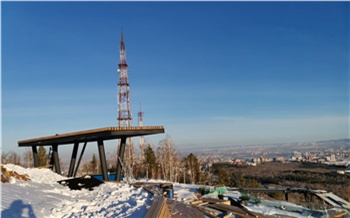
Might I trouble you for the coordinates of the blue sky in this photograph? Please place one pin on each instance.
(214, 74)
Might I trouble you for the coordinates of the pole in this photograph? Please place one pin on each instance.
(81, 155)
(35, 156)
(73, 159)
(56, 159)
(103, 161)
(120, 159)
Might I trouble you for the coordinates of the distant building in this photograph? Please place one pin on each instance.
(312, 157)
(321, 160)
(332, 159)
(265, 159)
(278, 159)
(250, 164)
(256, 161)
(237, 162)
(297, 154)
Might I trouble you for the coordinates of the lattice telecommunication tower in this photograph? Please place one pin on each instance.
(124, 112)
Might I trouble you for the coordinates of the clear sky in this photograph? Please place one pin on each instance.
(213, 74)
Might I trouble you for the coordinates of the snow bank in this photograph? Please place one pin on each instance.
(107, 200)
(37, 175)
(44, 197)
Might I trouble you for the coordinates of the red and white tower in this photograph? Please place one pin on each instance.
(124, 112)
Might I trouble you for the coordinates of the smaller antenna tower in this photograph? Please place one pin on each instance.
(142, 140)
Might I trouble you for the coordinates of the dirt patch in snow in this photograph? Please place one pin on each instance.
(6, 175)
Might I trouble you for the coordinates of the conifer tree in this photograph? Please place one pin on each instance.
(93, 164)
(150, 162)
(42, 156)
(222, 177)
(192, 167)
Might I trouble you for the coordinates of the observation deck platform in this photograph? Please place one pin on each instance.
(92, 135)
(106, 133)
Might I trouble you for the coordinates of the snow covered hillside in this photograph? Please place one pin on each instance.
(44, 197)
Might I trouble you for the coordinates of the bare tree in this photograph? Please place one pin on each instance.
(177, 168)
(3, 158)
(10, 157)
(86, 168)
(167, 158)
(28, 158)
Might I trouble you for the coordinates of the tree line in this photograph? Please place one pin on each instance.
(163, 162)
(290, 175)
(26, 160)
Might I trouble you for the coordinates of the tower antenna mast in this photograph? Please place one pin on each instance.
(124, 113)
(142, 140)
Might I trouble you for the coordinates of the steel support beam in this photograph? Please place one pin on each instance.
(81, 155)
(103, 161)
(52, 159)
(73, 159)
(35, 156)
(286, 196)
(120, 158)
(56, 159)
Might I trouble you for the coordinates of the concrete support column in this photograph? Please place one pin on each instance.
(103, 161)
(120, 159)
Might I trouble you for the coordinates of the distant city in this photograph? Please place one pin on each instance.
(333, 152)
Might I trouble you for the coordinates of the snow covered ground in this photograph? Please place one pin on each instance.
(44, 197)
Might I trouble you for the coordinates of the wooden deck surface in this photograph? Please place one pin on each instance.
(106, 133)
